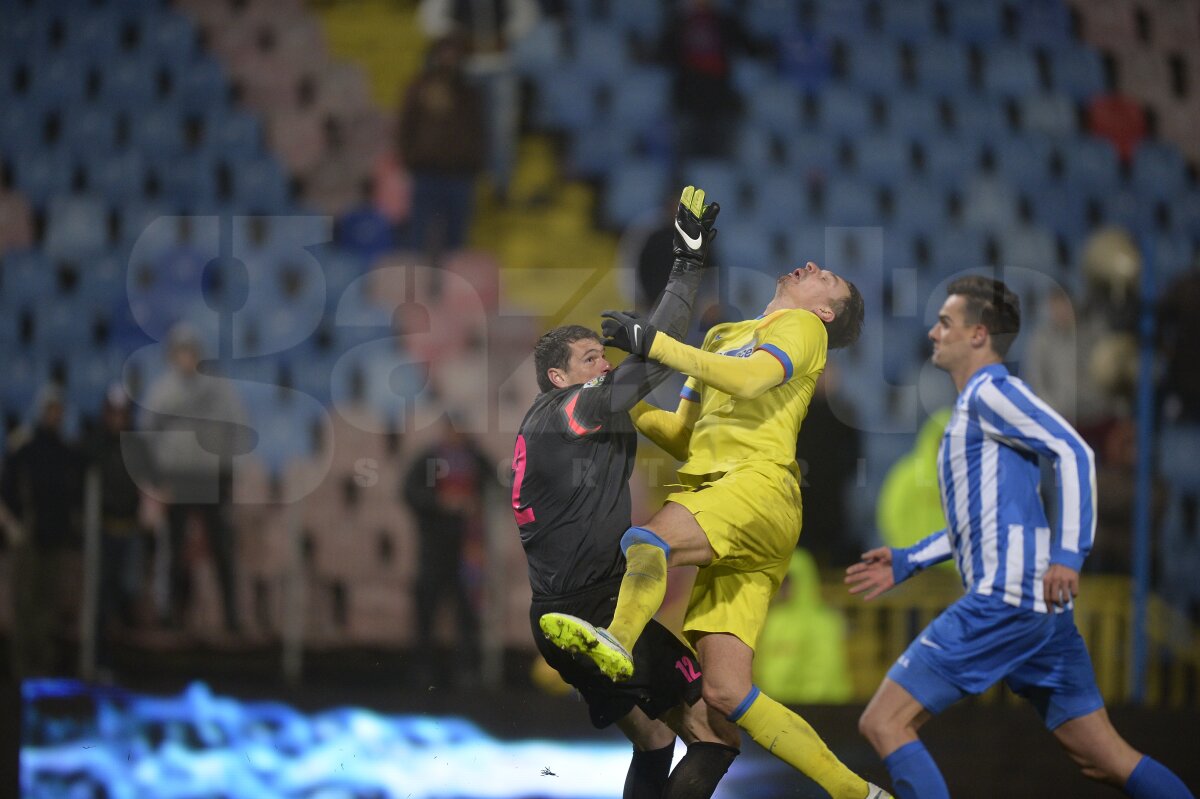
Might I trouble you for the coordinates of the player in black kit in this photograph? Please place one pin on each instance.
(574, 454)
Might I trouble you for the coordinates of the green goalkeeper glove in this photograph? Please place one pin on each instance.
(694, 226)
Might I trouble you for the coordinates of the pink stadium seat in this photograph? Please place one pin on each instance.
(297, 138)
(1175, 25)
(1178, 123)
(341, 88)
(1108, 24)
(16, 222)
(1146, 75)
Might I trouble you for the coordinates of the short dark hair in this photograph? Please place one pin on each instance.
(553, 350)
(992, 304)
(847, 322)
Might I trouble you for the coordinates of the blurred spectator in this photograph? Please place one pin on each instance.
(42, 489)
(801, 653)
(699, 46)
(489, 28)
(199, 424)
(1179, 334)
(1119, 119)
(126, 469)
(910, 501)
(828, 450)
(442, 145)
(444, 488)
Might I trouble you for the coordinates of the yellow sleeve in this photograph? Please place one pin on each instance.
(672, 432)
(798, 340)
(744, 378)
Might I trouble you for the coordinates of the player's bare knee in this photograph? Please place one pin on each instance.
(723, 698)
(876, 726)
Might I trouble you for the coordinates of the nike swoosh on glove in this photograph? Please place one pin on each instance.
(629, 331)
(694, 225)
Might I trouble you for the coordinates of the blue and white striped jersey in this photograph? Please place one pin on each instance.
(988, 473)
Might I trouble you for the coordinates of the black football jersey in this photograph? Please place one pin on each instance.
(570, 494)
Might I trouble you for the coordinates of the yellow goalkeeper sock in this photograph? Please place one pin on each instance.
(790, 738)
(642, 591)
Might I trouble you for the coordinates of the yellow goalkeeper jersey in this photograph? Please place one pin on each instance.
(734, 430)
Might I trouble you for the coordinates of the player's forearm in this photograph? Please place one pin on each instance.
(672, 313)
(669, 431)
(744, 378)
(929, 551)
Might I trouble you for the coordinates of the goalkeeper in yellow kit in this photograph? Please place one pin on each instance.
(738, 517)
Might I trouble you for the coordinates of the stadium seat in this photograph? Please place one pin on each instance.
(845, 111)
(989, 203)
(1050, 113)
(1159, 171)
(874, 64)
(1090, 164)
(912, 114)
(22, 127)
(883, 158)
(949, 158)
(1077, 71)
(805, 61)
(957, 249)
(1063, 209)
(1108, 24)
(942, 67)
(88, 130)
(980, 118)
(775, 107)
(1028, 247)
(199, 87)
(564, 100)
(634, 189)
(595, 150)
(1043, 23)
(756, 150)
(187, 184)
(540, 50)
(260, 187)
(718, 177)
(976, 21)
(234, 136)
(809, 154)
(1023, 160)
(76, 227)
(644, 21)
(59, 82)
(1125, 208)
(16, 222)
(643, 99)
(912, 21)
(42, 174)
(1010, 71)
(601, 52)
(1146, 75)
(169, 37)
(297, 138)
(852, 203)
(96, 33)
(766, 19)
(1175, 27)
(158, 133)
(781, 202)
(129, 84)
(917, 208)
(27, 277)
(845, 19)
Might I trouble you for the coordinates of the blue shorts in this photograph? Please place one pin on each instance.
(980, 640)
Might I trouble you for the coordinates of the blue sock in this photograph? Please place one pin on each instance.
(914, 774)
(1152, 780)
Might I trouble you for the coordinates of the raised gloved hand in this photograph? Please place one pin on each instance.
(629, 331)
(694, 225)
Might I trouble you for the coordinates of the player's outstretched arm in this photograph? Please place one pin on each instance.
(670, 431)
(872, 575)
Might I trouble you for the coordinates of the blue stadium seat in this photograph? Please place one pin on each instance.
(260, 187)
(89, 130)
(635, 188)
(158, 133)
(781, 202)
(851, 203)
(1091, 163)
(595, 150)
(990, 203)
(199, 86)
(76, 227)
(58, 327)
(1051, 113)
(89, 374)
(810, 154)
(917, 208)
(949, 158)
(1078, 72)
(980, 118)
(943, 67)
(745, 246)
(1174, 255)
(1028, 247)
(21, 127)
(233, 136)
(804, 243)
(539, 50)
(601, 51)
(644, 21)
(754, 149)
(129, 84)
(908, 20)
(1043, 23)
(805, 60)
(845, 19)
(1128, 209)
(43, 173)
(1063, 209)
(874, 64)
(103, 281)
(96, 33)
(747, 73)
(24, 375)
(119, 178)
(188, 184)
(957, 249)
(883, 158)
(134, 218)
(1024, 160)
(60, 81)
(27, 277)
(845, 111)
(169, 37)
(644, 99)
(564, 99)
(1009, 71)
(1159, 171)
(720, 179)
(774, 106)
(913, 114)
(976, 21)
(766, 19)
(1185, 212)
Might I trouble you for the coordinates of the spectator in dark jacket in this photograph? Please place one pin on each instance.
(42, 490)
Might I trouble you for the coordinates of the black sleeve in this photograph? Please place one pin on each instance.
(418, 492)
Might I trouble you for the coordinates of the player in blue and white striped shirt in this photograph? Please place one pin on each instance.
(1015, 622)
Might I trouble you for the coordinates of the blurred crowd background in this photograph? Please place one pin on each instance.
(271, 272)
